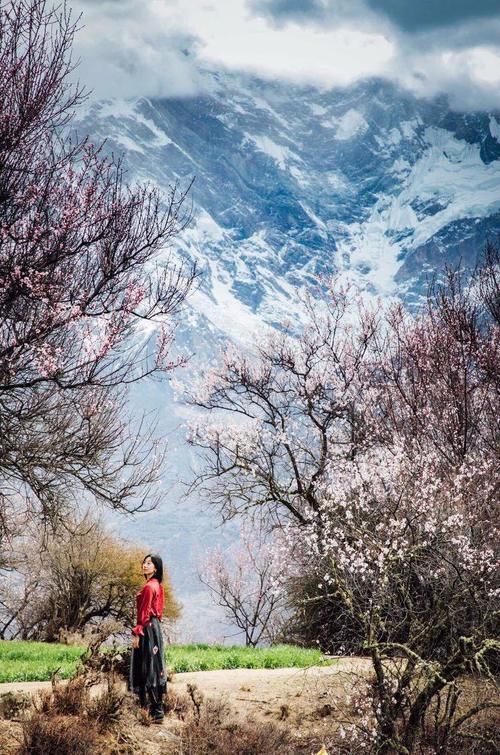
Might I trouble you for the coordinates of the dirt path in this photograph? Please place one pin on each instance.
(290, 680)
(26, 687)
(306, 699)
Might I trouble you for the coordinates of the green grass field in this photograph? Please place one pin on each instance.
(37, 661)
(182, 658)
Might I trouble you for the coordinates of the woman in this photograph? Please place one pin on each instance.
(147, 667)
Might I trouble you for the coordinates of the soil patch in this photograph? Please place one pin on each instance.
(306, 699)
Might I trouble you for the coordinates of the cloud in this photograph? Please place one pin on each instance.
(470, 78)
(428, 14)
(303, 10)
(437, 47)
(157, 47)
(409, 16)
(128, 48)
(327, 58)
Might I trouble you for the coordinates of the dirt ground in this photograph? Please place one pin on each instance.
(308, 701)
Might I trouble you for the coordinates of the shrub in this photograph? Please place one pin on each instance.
(12, 705)
(106, 708)
(209, 729)
(64, 735)
(177, 704)
(63, 699)
(74, 719)
(250, 738)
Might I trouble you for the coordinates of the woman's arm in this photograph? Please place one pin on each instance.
(144, 605)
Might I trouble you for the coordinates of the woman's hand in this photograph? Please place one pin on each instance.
(135, 641)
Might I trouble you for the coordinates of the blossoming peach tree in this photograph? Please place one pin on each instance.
(371, 439)
(83, 266)
(246, 581)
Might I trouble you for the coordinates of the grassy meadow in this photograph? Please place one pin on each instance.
(182, 658)
(38, 661)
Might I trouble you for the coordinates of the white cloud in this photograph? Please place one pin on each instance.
(132, 48)
(470, 76)
(326, 58)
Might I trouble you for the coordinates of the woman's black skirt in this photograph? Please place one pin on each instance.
(147, 665)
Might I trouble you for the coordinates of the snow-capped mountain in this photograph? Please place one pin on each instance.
(292, 183)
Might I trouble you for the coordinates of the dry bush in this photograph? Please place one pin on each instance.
(106, 708)
(70, 719)
(177, 704)
(251, 738)
(64, 699)
(13, 704)
(143, 717)
(111, 661)
(75, 699)
(209, 729)
(64, 735)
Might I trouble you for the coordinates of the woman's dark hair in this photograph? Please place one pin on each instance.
(158, 564)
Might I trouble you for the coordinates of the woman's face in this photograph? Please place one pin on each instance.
(148, 568)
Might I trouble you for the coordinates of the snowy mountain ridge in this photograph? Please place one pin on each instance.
(294, 182)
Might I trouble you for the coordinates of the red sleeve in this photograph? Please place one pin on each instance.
(161, 602)
(144, 604)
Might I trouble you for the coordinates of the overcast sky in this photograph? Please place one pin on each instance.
(155, 47)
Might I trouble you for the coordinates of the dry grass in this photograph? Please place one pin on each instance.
(177, 704)
(80, 718)
(65, 735)
(71, 719)
(13, 705)
(209, 728)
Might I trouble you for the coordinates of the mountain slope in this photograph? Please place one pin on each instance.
(293, 182)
